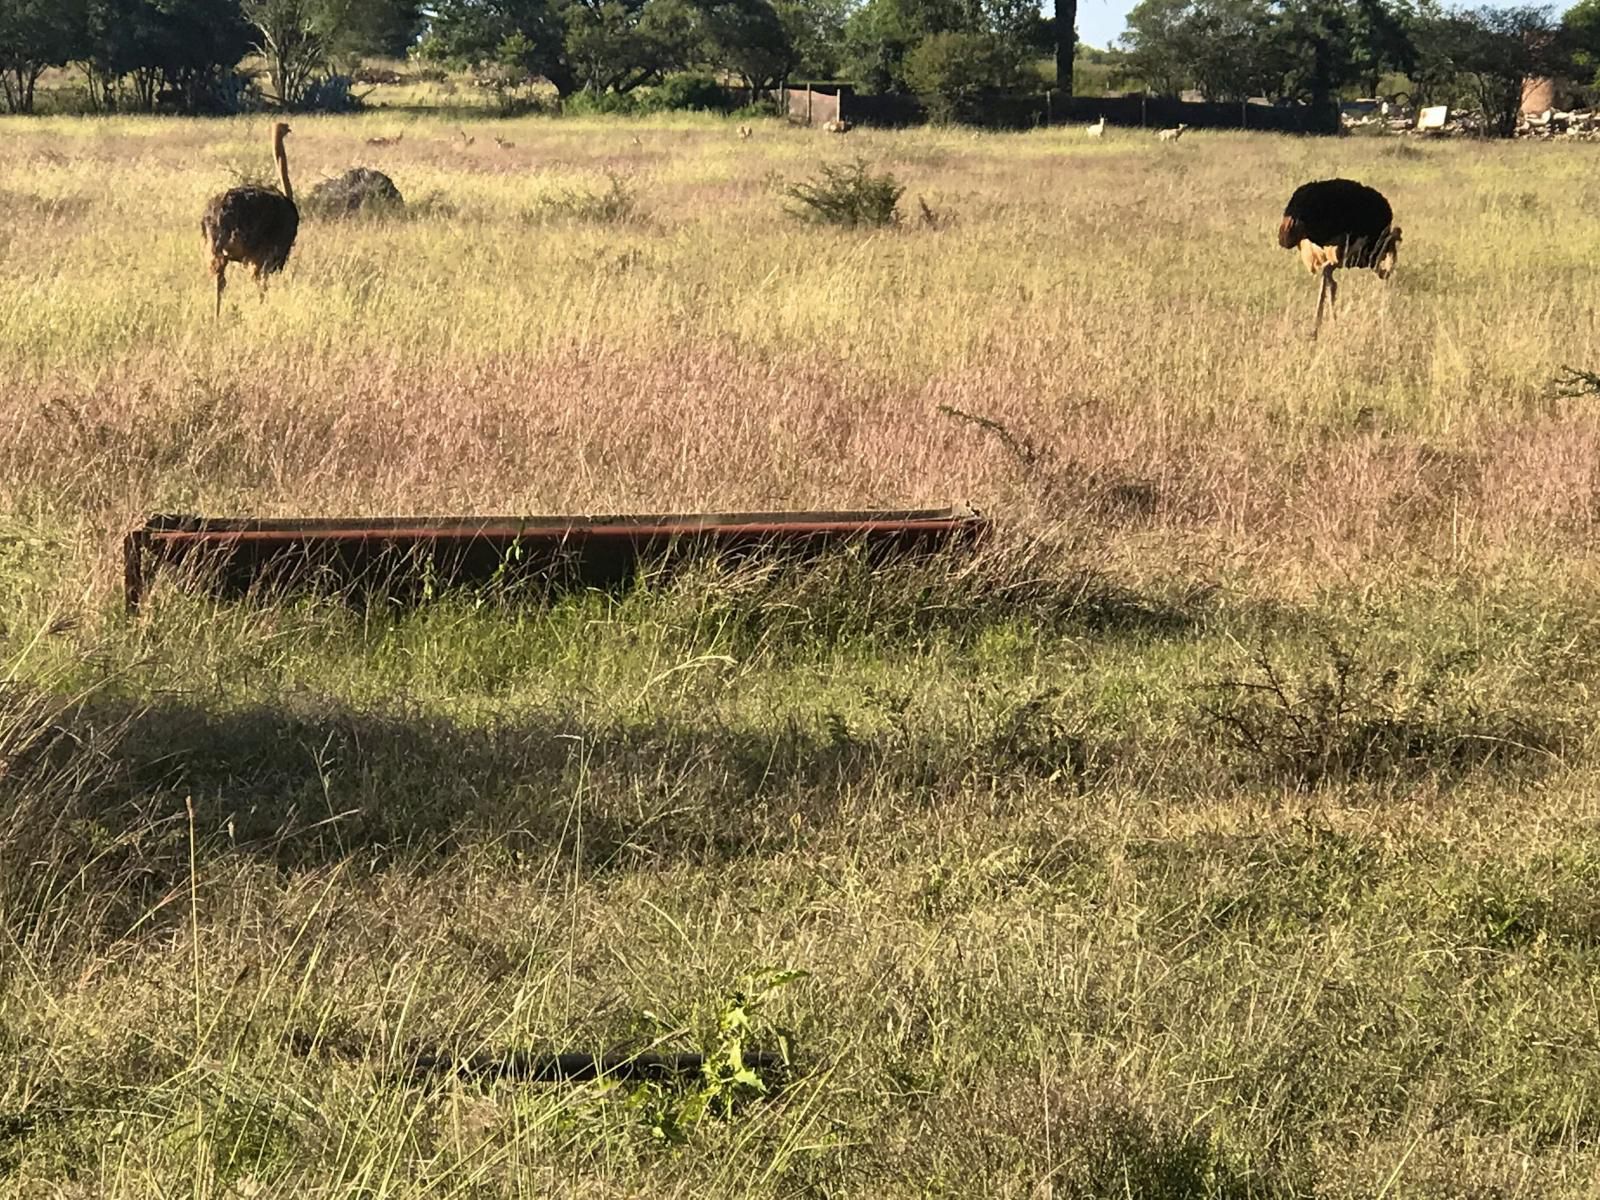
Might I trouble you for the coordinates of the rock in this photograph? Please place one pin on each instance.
(358, 190)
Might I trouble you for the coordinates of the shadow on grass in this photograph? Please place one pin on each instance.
(102, 793)
(331, 781)
(760, 595)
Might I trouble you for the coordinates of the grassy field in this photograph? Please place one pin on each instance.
(1229, 827)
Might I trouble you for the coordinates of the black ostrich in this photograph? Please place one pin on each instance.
(1339, 223)
(254, 225)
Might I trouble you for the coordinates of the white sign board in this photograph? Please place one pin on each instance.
(1433, 118)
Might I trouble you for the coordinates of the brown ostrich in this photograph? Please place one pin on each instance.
(254, 225)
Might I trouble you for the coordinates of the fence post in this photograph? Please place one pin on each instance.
(808, 104)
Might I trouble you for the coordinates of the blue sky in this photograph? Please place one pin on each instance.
(1101, 22)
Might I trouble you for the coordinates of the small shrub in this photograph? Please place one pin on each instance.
(602, 104)
(688, 93)
(330, 94)
(849, 195)
(759, 111)
(613, 206)
(1349, 720)
(219, 93)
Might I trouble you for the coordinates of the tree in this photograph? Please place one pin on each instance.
(524, 37)
(1314, 55)
(1157, 46)
(121, 40)
(1486, 54)
(880, 34)
(1581, 28)
(815, 28)
(1382, 41)
(196, 46)
(1229, 49)
(356, 27)
(1066, 31)
(35, 35)
(953, 70)
(290, 37)
(620, 45)
(748, 38)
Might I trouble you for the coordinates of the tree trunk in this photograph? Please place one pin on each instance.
(1066, 43)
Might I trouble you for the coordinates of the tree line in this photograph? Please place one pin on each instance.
(187, 55)
(1314, 51)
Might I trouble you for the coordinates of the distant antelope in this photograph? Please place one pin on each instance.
(503, 144)
(465, 140)
(1098, 129)
(839, 126)
(745, 131)
(383, 141)
(1172, 135)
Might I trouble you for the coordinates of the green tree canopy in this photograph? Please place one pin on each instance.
(1581, 27)
(527, 37)
(1483, 56)
(35, 35)
(953, 70)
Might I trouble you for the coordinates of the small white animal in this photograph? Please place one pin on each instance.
(839, 126)
(1172, 135)
(1097, 130)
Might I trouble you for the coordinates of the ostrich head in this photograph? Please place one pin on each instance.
(1389, 256)
(280, 131)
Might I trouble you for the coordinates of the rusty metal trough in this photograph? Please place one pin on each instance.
(404, 555)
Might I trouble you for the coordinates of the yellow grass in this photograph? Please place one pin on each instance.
(1121, 303)
(1235, 836)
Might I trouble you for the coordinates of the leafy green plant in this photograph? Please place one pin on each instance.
(850, 195)
(728, 1077)
(735, 1069)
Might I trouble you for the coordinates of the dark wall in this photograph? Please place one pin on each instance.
(1010, 110)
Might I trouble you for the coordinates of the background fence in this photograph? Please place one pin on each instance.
(1013, 110)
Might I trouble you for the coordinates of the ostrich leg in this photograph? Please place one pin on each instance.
(1325, 293)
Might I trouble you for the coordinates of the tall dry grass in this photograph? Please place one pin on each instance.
(1225, 829)
(1121, 305)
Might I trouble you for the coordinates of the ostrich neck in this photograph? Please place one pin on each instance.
(283, 170)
